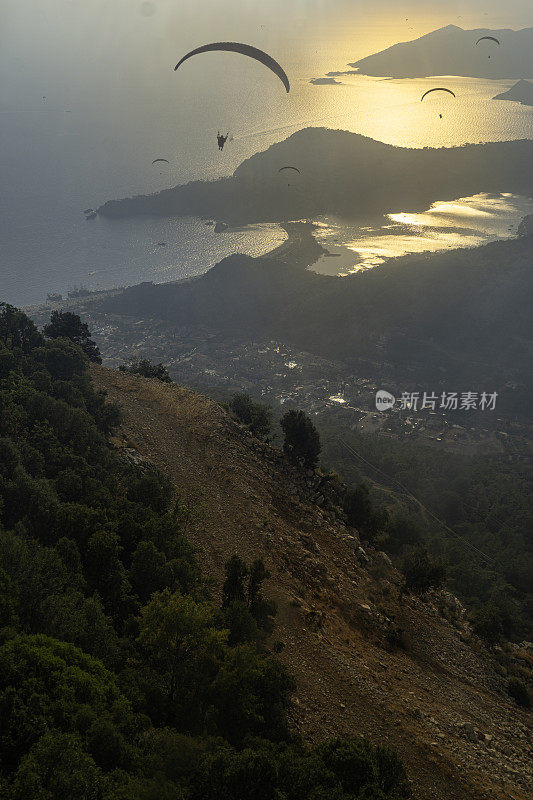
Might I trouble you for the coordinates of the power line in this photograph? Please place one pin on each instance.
(430, 513)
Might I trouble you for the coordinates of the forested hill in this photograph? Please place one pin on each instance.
(344, 174)
(125, 675)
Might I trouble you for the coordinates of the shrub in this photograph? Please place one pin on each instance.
(422, 572)
(257, 417)
(517, 689)
(145, 368)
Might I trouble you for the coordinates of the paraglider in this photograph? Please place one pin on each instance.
(437, 89)
(245, 50)
(488, 39)
(156, 160)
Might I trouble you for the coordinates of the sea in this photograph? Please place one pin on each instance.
(88, 102)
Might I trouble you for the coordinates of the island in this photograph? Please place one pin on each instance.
(327, 81)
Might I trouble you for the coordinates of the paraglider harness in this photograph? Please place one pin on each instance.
(221, 140)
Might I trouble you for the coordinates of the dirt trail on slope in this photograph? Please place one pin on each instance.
(438, 702)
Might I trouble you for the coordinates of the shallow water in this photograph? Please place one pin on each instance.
(465, 222)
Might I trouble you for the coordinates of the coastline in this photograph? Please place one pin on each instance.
(299, 251)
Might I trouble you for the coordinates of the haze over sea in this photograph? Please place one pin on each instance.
(88, 102)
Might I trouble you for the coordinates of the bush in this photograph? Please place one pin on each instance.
(422, 572)
(257, 417)
(302, 442)
(487, 624)
(517, 689)
(145, 368)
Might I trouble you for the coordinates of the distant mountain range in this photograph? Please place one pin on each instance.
(521, 92)
(453, 51)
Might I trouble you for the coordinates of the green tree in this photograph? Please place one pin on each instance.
(17, 331)
(403, 531)
(251, 695)
(234, 584)
(245, 774)
(302, 442)
(246, 610)
(62, 358)
(150, 571)
(182, 646)
(67, 325)
(44, 685)
(56, 768)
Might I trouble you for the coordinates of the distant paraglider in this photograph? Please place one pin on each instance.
(437, 89)
(245, 50)
(295, 169)
(488, 39)
(157, 160)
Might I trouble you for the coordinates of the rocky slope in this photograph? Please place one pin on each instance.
(439, 699)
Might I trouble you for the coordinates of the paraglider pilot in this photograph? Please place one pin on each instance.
(221, 140)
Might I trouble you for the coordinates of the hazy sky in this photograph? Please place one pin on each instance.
(69, 37)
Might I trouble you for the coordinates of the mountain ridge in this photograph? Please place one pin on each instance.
(440, 702)
(452, 50)
(387, 178)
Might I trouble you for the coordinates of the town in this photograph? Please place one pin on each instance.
(219, 365)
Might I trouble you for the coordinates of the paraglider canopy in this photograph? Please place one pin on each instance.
(245, 50)
(294, 168)
(437, 89)
(155, 161)
(488, 39)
